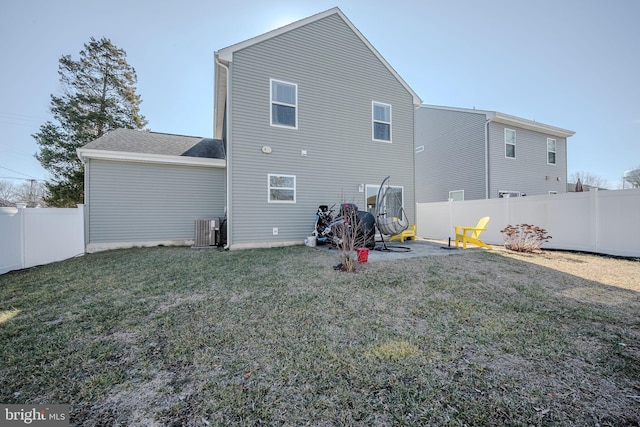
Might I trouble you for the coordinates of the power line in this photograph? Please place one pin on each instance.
(22, 179)
(20, 173)
(21, 117)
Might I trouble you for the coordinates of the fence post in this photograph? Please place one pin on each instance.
(22, 209)
(595, 219)
(507, 209)
(451, 233)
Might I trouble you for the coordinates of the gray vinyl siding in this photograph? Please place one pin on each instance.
(142, 202)
(338, 77)
(529, 172)
(454, 154)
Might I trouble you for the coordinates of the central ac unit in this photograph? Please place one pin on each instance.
(207, 233)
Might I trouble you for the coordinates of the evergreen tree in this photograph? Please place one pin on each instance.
(98, 95)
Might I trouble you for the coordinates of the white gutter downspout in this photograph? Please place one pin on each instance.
(87, 202)
(228, 156)
(486, 158)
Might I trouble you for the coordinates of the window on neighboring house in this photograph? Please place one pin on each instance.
(381, 114)
(510, 143)
(503, 194)
(551, 151)
(457, 195)
(282, 188)
(284, 104)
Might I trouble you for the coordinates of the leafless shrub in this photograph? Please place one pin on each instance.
(524, 237)
(349, 237)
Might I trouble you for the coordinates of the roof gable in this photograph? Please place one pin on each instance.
(225, 55)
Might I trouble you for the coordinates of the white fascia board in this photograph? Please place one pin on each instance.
(508, 120)
(87, 153)
(219, 97)
(489, 114)
(225, 55)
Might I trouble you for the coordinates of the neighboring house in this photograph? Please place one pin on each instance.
(468, 154)
(311, 114)
(147, 188)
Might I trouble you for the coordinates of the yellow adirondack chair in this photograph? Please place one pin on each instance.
(409, 233)
(471, 234)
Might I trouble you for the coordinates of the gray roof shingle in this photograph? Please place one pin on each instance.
(144, 142)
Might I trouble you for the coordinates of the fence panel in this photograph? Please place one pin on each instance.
(595, 221)
(33, 237)
(11, 248)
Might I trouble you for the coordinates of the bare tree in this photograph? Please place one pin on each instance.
(353, 230)
(6, 193)
(589, 179)
(32, 193)
(632, 177)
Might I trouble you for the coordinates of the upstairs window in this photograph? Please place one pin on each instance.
(510, 143)
(381, 114)
(281, 188)
(284, 104)
(551, 151)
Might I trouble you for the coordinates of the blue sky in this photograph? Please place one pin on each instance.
(573, 64)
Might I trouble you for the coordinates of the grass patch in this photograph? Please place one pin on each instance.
(394, 351)
(175, 336)
(6, 315)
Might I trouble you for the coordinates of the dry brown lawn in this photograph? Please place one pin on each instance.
(175, 336)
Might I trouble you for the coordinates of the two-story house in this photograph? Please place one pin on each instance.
(468, 154)
(305, 115)
(310, 114)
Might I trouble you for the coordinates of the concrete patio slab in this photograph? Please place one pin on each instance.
(407, 249)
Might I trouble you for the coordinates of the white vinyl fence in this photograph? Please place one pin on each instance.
(30, 236)
(606, 222)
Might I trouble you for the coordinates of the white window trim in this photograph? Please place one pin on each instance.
(269, 188)
(456, 191)
(272, 102)
(509, 143)
(373, 121)
(552, 151)
(377, 188)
